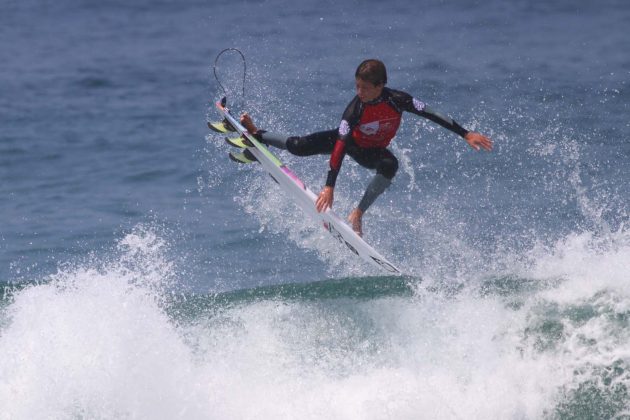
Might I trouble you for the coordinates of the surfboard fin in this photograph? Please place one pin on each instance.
(244, 157)
(222, 127)
(240, 142)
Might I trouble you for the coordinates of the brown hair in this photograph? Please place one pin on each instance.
(372, 71)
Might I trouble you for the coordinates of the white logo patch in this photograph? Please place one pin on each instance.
(419, 105)
(370, 128)
(344, 128)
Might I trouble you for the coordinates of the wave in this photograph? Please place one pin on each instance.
(356, 288)
(118, 336)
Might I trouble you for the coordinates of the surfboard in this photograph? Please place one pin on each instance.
(289, 182)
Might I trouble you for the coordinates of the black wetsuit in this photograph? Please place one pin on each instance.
(364, 133)
(368, 128)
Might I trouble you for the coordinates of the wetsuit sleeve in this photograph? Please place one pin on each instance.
(345, 131)
(336, 158)
(408, 103)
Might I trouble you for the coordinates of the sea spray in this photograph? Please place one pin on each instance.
(94, 342)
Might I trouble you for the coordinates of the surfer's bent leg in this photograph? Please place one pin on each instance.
(377, 186)
(273, 139)
(265, 137)
(386, 166)
(320, 143)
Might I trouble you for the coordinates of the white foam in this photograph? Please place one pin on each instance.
(96, 342)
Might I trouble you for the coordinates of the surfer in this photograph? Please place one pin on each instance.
(367, 127)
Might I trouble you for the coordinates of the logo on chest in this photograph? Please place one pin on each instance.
(379, 128)
(370, 129)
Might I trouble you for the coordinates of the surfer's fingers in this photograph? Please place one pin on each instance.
(478, 140)
(318, 204)
(485, 142)
(323, 202)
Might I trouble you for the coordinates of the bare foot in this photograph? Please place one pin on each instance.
(247, 122)
(355, 218)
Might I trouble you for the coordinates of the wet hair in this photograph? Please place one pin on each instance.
(372, 71)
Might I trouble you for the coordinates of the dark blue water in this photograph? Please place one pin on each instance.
(144, 271)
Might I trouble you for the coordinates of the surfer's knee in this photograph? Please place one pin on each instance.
(387, 167)
(295, 145)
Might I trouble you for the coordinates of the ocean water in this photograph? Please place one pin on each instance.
(145, 276)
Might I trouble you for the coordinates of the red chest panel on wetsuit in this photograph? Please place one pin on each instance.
(377, 126)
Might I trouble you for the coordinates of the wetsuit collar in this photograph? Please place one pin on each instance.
(381, 98)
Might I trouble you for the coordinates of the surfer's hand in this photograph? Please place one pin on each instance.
(477, 140)
(325, 199)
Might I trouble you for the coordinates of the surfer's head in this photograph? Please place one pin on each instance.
(370, 77)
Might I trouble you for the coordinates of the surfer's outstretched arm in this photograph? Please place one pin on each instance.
(476, 140)
(408, 103)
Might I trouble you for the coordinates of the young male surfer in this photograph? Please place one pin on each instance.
(367, 127)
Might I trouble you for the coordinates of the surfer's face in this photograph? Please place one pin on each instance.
(366, 91)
